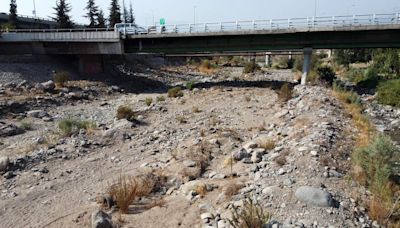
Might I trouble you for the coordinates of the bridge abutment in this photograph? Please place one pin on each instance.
(306, 64)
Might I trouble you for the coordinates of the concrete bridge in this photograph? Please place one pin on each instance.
(356, 31)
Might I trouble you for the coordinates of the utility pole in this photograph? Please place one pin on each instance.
(194, 15)
(123, 5)
(34, 9)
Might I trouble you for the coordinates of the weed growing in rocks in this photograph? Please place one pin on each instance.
(251, 215)
(125, 112)
(267, 144)
(72, 126)
(60, 78)
(251, 67)
(231, 189)
(127, 188)
(196, 109)
(379, 164)
(389, 93)
(26, 125)
(190, 85)
(160, 98)
(181, 119)
(285, 93)
(148, 101)
(175, 92)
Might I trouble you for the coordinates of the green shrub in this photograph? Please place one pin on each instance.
(251, 67)
(160, 98)
(175, 92)
(251, 215)
(27, 126)
(389, 93)
(190, 85)
(148, 101)
(72, 126)
(355, 75)
(379, 160)
(124, 112)
(326, 74)
(60, 78)
(370, 79)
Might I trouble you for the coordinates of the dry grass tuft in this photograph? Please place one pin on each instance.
(127, 188)
(156, 203)
(125, 112)
(196, 109)
(281, 159)
(267, 144)
(251, 215)
(232, 188)
(285, 93)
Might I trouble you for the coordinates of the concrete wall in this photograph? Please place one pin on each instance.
(80, 36)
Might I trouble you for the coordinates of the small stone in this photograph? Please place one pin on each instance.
(206, 216)
(100, 219)
(4, 161)
(189, 163)
(281, 171)
(314, 153)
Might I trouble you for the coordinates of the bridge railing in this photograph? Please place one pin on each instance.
(309, 23)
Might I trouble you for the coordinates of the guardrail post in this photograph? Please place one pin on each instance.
(237, 25)
(397, 18)
(221, 27)
(270, 24)
(175, 29)
(190, 28)
(288, 21)
(354, 20)
(374, 19)
(254, 25)
(205, 27)
(313, 19)
(333, 21)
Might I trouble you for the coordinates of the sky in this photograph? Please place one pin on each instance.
(202, 11)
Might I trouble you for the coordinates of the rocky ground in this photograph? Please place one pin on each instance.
(229, 138)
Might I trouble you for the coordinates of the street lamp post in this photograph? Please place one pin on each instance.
(123, 5)
(194, 14)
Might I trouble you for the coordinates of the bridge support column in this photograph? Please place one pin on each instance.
(91, 64)
(268, 61)
(306, 65)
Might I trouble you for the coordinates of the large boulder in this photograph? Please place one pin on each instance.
(49, 85)
(314, 196)
(100, 219)
(10, 130)
(4, 161)
(37, 113)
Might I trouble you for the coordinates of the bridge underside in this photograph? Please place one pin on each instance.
(62, 48)
(264, 42)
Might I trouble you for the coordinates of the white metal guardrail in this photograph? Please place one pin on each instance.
(284, 24)
(292, 24)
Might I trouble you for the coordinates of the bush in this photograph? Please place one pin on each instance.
(160, 98)
(27, 126)
(72, 126)
(175, 92)
(251, 215)
(190, 85)
(148, 101)
(326, 74)
(60, 78)
(127, 188)
(124, 112)
(285, 93)
(389, 93)
(378, 160)
(251, 67)
(206, 64)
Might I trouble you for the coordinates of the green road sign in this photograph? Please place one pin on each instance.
(162, 21)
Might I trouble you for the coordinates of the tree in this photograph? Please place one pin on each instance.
(115, 13)
(13, 13)
(92, 12)
(131, 16)
(62, 18)
(101, 21)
